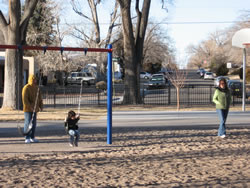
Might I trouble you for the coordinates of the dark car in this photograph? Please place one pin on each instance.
(202, 73)
(200, 70)
(235, 87)
(157, 81)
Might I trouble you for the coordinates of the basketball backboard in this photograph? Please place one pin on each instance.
(241, 38)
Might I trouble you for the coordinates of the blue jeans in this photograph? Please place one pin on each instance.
(27, 119)
(74, 136)
(223, 117)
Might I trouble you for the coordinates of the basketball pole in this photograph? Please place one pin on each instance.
(244, 81)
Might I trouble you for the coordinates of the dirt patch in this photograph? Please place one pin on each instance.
(137, 158)
(97, 112)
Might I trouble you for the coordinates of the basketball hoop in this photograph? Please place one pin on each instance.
(241, 39)
(247, 45)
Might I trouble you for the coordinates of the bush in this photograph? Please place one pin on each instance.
(102, 85)
(236, 72)
(248, 75)
(218, 65)
(222, 70)
(152, 67)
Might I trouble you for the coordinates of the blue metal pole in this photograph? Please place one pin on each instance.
(109, 99)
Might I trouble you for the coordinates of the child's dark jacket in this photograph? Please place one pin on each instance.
(71, 124)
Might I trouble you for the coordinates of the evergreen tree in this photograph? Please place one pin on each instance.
(42, 32)
(41, 26)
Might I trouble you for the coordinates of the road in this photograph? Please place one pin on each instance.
(171, 120)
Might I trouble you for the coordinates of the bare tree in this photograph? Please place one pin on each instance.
(93, 38)
(157, 46)
(203, 53)
(14, 31)
(177, 78)
(133, 47)
(219, 43)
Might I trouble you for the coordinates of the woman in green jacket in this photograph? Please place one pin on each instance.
(222, 99)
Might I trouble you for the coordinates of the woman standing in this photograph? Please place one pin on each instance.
(32, 103)
(222, 99)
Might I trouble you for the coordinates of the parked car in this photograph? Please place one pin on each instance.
(208, 76)
(217, 79)
(202, 73)
(157, 81)
(235, 87)
(80, 77)
(199, 70)
(165, 71)
(145, 75)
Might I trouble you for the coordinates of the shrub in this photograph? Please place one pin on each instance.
(222, 70)
(102, 85)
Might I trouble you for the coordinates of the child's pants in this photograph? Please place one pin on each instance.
(74, 136)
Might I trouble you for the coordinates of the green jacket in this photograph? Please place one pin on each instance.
(222, 99)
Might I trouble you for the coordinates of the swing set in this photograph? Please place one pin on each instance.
(85, 50)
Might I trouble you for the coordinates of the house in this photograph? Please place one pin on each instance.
(29, 66)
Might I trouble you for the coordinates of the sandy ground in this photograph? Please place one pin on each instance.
(138, 157)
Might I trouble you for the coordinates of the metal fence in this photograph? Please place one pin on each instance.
(190, 95)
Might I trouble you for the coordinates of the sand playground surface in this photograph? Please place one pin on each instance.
(138, 157)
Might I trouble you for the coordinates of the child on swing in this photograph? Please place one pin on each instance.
(71, 128)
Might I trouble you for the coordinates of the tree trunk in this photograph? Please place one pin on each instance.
(178, 98)
(15, 34)
(133, 48)
(13, 81)
(10, 80)
(129, 55)
(142, 21)
(11, 74)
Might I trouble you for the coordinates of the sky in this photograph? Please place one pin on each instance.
(184, 20)
(187, 22)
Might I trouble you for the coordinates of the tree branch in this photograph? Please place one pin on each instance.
(95, 20)
(29, 8)
(113, 18)
(76, 10)
(138, 20)
(3, 25)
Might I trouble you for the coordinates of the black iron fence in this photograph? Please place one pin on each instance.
(190, 95)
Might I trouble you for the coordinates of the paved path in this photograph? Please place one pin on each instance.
(53, 138)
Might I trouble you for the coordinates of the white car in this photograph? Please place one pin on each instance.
(80, 77)
(208, 76)
(145, 75)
